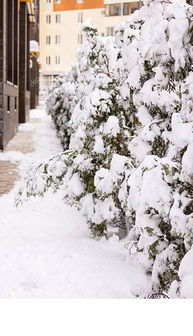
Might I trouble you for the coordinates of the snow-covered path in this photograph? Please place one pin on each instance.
(45, 251)
(45, 248)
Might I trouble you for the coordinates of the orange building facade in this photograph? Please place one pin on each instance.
(67, 5)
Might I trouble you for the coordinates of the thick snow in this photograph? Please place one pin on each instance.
(34, 46)
(130, 97)
(187, 163)
(112, 126)
(46, 250)
(186, 275)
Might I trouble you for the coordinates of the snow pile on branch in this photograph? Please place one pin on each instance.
(130, 166)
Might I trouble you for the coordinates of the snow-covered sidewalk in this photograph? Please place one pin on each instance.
(45, 247)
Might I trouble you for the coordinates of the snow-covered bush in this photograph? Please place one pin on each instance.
(131, 148)
(157, 40)
(60, 103)
(98, 143)
(100, 135)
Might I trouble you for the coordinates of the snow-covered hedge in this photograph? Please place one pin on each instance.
(60, 104)
(159, 85)
(130, 159)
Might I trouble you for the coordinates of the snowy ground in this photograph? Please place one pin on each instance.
(45, 248)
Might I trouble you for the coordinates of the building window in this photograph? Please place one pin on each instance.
(126, 9)
(48, 39)
(48, 60)
(57, 59)
(48, 18)
(15, 103)
(113, 10)
(80, 17)
(57, 1)
(79, 1)
(48, 1)
(57, 39)
(133, 10)
(130, 7)
(80, 38)
(58, 18)
(8, 104)
(110, 31)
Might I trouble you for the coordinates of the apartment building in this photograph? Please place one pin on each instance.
(16, 16)
(60, 30)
